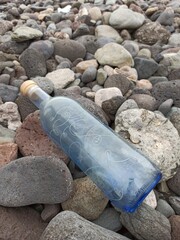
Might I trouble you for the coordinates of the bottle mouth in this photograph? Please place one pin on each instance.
(26, 86)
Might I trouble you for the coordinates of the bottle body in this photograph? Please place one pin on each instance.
(120, 171)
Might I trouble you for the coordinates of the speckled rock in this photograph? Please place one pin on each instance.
(13, 47)
(144, 101)
(9, 115)
(174, 183)
(24, 33)
(152, 32)
(166, 90)
(46, 47)
(27, 135)
(115, 55)
(8, 93)
(87, 199)
(174, 117)
(118, 80)
(150, 224)
(8, 152)
(20, 223)
(33, 62)
(160, 144)
(47, 180)
(61, 77)
(69, 225)
(70, 49)
(175, 222)
(45, 84)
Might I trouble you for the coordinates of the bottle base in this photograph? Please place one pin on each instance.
(131, 209)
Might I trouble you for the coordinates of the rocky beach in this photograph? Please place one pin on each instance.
(120, 60)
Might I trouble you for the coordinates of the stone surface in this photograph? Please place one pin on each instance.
(128, 104)
(87, 199)
(45, 84)
(71, 226)
(175, 204)
(101, 76)
(114, 54)
(9, 116)
(109, 219)
(150, 200)
(4, 78)
(166, 17)
(8, 152)
(171, 61)
(126, 19)
(13, 47)
(107, 31)
(33, 62)
(174, 117)
(144, 84)
(165, 107)
(144, 101)
(50, 211)
(147, 224)
(61, 77)
(83, 65)
(174, 183)
(174, 39)
(166, 90)
(95, 13)
(164, 208)
(24, 33)
(20, 223)
(145, 67)
(70, 49)
(89, 74)
(152, 32)
(5, 26)
(160, 144)
(131, 46)
(27, 136)
(175, 223)
(6, 135)
(47, 180)
(8, 93)
(46, 47)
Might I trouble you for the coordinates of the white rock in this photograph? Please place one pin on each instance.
(107, 31)
(151, 200)
(61, 77)
(25, 33)
(174, 39)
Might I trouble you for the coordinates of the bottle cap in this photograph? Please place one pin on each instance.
(26, 86)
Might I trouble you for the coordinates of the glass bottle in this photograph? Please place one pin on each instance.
(118, 169)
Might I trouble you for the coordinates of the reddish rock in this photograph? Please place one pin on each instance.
(175, 227)
(8, 152)
(20, 224)
(32, 140)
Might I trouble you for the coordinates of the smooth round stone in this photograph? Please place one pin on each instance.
(83, 65)
(126, 19)
(87, 200)
(144, 84)
(24, 33)
(82, 29)
(101, 76)
(152, 32)
(161, 145)
(46, 47)
(33, 62)
(95, 13)
(144, 52)
(131, 46)
(70, 49)
(89, 74)
(174, 183)
(175, 230)
(129, 72)
(44, 83)
(107, 31)
(165, 107)
(166, 17)
(109, 219)
(157, 79)
(4, 78)
(175, 203)
(5, 26)
(8, 93)
(27, 135)
(144, 101)
(174, 39)
(47, 180)
(128, 104)
(164, 208)
(115, 55)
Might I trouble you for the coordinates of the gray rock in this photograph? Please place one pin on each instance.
(166, 90)
(109, 219)
(8, 93)
(6, 135)
(128, 104)
(89, 74)
(164, 208)
(174, 183)
(123, 18)
(24, 33)
(144, 101)
(160, 144)
(171, 61)
(152, 32)
(4, 78)
(147, 224)
(175, 74)
(20, 223)
(118, 80)
(33, 62)
(175, 203)
(174, 40)
(70, 49)
(5, 26)
(50, 211)
(107, 31)
(81, 30)
(111, 106)
(69, 225)
(13, 47)
(46, 47)
(174, 117)
(45, 84)
(165, 107)
(166, 17)
(157, 79)
(145, 67)
(46, 180)
(4, 65)
(131, 46)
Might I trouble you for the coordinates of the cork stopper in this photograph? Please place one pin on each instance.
(26, 86)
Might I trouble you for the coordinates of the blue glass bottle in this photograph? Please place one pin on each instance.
(118, 169)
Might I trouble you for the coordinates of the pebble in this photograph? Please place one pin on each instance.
(83, 65)
(101, 76)
(5, 78)
(175, 204)
(114, 54)
(164, 208)
(89, 74)
(128, 104)
(146, 216)
(46, 47)
(174, 116)
(5, 26)
(129, 72)
(45, 84)
(131, 46)
(107, 31)
(166, 17)
(175, 222)
(87, 199)
(95, 13)
(69, 225)
(20, 223)
(8, 152)
(25, 189)
(144, 101)
(160, 144)
(174, 75)
(27, 135)
(6, 135)
(50, 211)
(174, 183)
(25, 33)
(144, 84)
(174, 39)
(165, 107)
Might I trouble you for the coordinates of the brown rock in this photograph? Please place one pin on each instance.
(32, 140)
(8, 152)
(82, 66)
(20, 224)
(175, 227)
(50, 211)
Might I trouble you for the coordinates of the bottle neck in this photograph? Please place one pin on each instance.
(37, 96)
